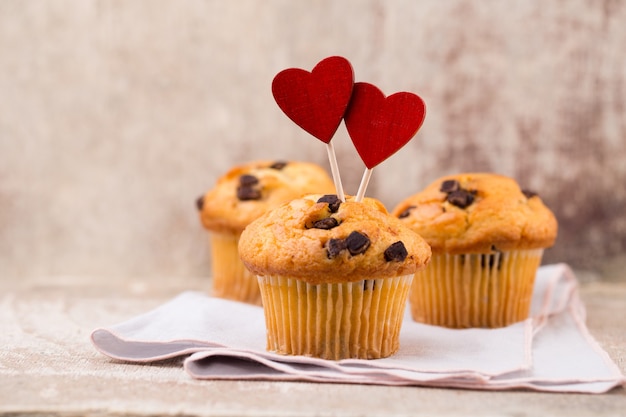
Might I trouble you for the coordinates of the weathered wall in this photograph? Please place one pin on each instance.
(115, 116)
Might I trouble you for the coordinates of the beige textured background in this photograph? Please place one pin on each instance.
(116, 115)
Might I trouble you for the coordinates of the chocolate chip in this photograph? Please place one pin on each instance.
(371, 287)
(326, 224)
(491, 260)
(457, 196)
(246, 193)
(461, 198)
(334, 247)
(333, 202)
(357, 243)
(246, 190)
(396, 252)
(248, 180)
(529, 194)
(449, 186)
(278, 165)
(406, 212)
(200, 202)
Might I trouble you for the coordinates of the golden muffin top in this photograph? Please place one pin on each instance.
(319, 239)
(247, 191)
(478, 213)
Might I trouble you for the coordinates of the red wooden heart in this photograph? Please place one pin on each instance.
(317, 100)
(379, 126)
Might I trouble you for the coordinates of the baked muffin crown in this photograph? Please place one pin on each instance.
(319, 239)
(247, 191)
(478, 213)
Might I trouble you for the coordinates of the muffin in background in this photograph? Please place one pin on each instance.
(487, 237)
(334, 276)
(240, 196)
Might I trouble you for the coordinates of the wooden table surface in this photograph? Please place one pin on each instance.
(49, 367)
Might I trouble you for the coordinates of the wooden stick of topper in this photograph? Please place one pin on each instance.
(365, 180)
(379, 126)
(334, 169)
(316, 101)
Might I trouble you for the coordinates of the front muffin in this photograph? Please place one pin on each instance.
(334, 276)
(240, 196)
(487, 237)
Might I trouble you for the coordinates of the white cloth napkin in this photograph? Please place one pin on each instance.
(551, 351)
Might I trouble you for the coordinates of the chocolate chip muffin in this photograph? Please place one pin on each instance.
(240, 196)
(334, 276)
(487, 236)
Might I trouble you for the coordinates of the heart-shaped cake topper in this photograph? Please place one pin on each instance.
(317, 100)
(379, 126)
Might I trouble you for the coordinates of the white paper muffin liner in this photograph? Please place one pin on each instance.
(231, 279)
(475, 290)
(359, 319)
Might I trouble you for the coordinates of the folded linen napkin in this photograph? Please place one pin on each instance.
(551, 351)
